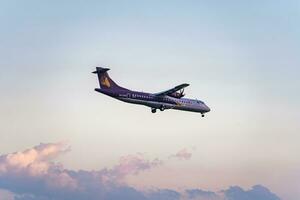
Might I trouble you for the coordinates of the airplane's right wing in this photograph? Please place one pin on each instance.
(171, 91)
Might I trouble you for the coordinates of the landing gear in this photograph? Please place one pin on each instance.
(153, 110)
(202, 115)
(161, 108)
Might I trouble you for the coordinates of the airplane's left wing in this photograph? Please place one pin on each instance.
(171, 91)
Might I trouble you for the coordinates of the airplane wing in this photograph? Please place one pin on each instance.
(171, 91)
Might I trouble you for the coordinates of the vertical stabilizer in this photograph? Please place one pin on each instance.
(105, 81)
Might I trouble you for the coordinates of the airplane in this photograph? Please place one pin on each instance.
(169, 99)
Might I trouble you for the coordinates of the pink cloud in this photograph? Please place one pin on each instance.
(31, 174)
(130, 165)
(6, 195)
(35, 163)
(183, 154)
(133, 164)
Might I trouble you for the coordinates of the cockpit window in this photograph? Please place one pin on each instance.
(198, 101)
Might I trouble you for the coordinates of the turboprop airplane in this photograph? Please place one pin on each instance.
(169, 99)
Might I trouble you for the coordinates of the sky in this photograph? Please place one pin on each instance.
(241, 58)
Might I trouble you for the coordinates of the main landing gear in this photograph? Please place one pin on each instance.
(162, 108)
(153, 110)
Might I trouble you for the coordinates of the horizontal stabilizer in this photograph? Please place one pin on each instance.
(100, 70)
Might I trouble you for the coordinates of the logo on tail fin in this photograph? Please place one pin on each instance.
(105, 82)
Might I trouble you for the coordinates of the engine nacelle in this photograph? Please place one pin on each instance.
(177, 95)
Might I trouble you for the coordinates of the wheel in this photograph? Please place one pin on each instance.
(202, 115)
(162, 108)
(153, 110)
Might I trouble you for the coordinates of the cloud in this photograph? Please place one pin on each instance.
(6, 195)
(32, 171)
(34, 160)
(257, 192)
(164, 194)
(130, 164)
(183, 154)
(198, 194)
(32, 175)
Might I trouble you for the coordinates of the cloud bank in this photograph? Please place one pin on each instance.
(32, 175)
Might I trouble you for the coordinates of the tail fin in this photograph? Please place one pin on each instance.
(105, 81)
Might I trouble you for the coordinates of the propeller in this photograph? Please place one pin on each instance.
(182, 93)
(179, 94)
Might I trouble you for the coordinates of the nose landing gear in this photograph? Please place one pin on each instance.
(202, 115)
(153, 110)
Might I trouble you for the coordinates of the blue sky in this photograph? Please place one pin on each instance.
(241, 58)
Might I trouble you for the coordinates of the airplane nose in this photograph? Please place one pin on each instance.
(207, 108)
